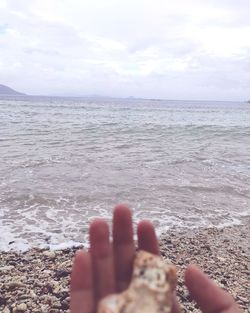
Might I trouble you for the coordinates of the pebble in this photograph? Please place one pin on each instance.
(49, 254)
(2, 300)
(62, 273)
(220, 261)
(5, 269)
(33, 294)
(15, 285)
(20, 308)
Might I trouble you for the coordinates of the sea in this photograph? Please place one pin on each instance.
(66, 161)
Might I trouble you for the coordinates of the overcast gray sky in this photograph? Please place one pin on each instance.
(181, 49)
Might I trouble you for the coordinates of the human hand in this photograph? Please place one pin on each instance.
(107, 267)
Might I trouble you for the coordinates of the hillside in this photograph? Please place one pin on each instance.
(5, 90)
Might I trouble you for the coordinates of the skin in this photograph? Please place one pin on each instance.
(107, 267)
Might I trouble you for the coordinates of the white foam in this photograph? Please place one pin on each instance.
(10, 241)
(73, 227)
(64, 245)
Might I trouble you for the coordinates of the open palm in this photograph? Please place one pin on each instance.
(107, 267)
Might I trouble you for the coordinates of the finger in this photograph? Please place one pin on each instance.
(123, 245)
(176, 306)
(147, 239)
(81, 285)
(102, 259)
(207, 294)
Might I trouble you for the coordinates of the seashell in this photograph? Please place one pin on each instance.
(150, 291)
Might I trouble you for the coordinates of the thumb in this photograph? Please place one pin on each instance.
(210, 297)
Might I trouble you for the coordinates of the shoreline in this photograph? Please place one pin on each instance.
(38, 280)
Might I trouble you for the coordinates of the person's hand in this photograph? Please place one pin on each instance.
(107, 267)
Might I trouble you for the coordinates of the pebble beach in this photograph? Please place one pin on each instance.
(38, 280)
(223, 254)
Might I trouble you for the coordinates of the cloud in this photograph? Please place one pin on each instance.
(182, 49)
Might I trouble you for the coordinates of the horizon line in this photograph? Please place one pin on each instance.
(115, 97)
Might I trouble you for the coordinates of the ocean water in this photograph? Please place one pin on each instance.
(65, 161)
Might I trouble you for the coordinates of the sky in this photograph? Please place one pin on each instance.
(182, 49)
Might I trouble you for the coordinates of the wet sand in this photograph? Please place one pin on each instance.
(38, 280)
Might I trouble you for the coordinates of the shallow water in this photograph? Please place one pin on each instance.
(65, 161)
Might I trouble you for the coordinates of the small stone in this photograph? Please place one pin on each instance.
(66, 264)
(49, 254)
(168, 241)
(62, 273)
(245, 300)
(56, 290)
(5, 269)
(20, 307)
(14, 284)
(23, 297)
(65, 304)
(6, 310)
(221, 259)
(2, 300)
(223, 281)
(33, 294)
(207, 247)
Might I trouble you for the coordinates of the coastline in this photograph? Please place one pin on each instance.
(38, 280)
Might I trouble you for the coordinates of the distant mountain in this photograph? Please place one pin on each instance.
(7, 91)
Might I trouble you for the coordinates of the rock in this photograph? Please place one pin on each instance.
(245, 300)
(168, 241)
(66, 264)
(6, 310)
(56, 290)
(5, 269)
(151, 288)
(56, 305)
(207, 247)
(65, 304)
(23, 297)
(223, 281)
(2, 300)
(221, 259)
(22, 307)
(33, 294)
(49, 254)
(62, 273)
(14, 285)
(46, 299)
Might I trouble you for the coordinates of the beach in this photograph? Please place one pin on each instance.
(138, 103)
(38, 280)
(222, 253)
(65, 161)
